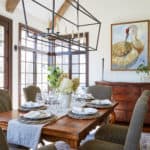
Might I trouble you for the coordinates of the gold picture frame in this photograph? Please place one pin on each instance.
(129, 45)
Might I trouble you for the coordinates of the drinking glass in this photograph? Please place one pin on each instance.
(38, 98)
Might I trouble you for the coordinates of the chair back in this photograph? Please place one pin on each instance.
(5, 101)
(30, 92)
(100, 91)
(3, 143)
(136, 123)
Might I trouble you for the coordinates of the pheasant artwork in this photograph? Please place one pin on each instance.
(126, 52)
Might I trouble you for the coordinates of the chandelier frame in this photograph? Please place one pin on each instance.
(52, 36)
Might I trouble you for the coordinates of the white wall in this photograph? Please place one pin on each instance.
(109, 12)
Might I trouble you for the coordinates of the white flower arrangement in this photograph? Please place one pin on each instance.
(60, 81)
(68, 86)
(65, 86)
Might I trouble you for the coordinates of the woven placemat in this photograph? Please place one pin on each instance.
(76, 116)
(38, 121)
(98, 106)
(23, 109)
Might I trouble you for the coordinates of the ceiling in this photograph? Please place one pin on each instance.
(37, 11)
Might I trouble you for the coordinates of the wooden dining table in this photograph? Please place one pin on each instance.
(65, 128)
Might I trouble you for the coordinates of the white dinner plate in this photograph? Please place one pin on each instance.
(42, 114)
(32, 105)
(84, 111)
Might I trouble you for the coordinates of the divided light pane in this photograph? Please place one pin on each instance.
(75, 68)
(58, 59)
(65, 59)
(1, 33)
(1, 64)
(30, 44)
(39, 78)
(1, 80)
(45, 69)
(75, 59)
(22, 67)
(39, 58)
(65, 68)
(1, 48)
(44, 78)
(82, 68)
(45, 59)
(29, 56)
(39, 68)
(23, 55)
(22, 78)
(29, 79)
(29, 67)
(58, 49)
(82, 58)
(82, 78)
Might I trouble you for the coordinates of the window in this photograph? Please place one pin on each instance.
(5, 53)
(33, 63)
(74, 61)
(36, 55)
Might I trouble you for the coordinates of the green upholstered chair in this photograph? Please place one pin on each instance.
(5, 146)
(114, 137)
(5, 101)
(48, 147)
(30, 92)
(100, 91)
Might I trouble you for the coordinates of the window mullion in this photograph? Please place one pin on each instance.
(35, 63)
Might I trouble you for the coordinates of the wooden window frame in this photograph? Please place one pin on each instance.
(34, 59)
(7, 23)
(71, 53)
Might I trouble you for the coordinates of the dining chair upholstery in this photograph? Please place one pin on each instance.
(100, 91)
(100, 145)
(5, 101)
(126, 138)
(30, 92)
(3, 143)
(48, 147)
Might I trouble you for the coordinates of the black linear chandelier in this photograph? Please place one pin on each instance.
(91, 27)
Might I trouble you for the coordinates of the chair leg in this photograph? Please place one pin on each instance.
(112, 117)
(42, 142)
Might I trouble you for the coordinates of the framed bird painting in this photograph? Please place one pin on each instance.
(129, 45)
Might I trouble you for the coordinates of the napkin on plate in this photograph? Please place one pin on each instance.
(37, 114)
(101, 102)
(83, 111)
(31, 104)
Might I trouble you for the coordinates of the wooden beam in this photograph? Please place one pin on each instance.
(64, 7)
(11, 5)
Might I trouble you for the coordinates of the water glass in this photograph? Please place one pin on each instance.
(38, 98)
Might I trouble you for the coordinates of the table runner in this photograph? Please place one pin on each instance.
(27, 133)
(24, 134)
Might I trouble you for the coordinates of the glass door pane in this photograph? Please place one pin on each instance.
(2, 48)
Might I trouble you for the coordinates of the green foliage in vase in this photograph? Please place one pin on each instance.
(53, 77)
(143, 69)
